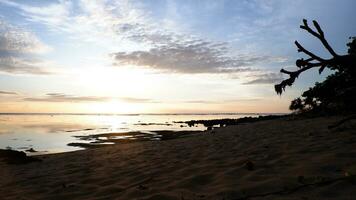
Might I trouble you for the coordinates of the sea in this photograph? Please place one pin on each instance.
(47, 133)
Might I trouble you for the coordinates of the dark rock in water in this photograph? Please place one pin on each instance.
(249, 165)
(16, 157)
(229, 122)
(153, 124)
(31, 150)
(104, 139)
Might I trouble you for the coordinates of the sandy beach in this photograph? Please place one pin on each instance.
(273, 159)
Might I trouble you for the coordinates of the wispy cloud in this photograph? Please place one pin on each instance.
(15, 40)
(7, 93)
(223, 101)
(264, 78)
(199, 102)
(15, 65)
(137, 100)
(84, 20)
(18, 48)
(190, 56)
(53, 14)
(60, 97)
(154, 44)
(158, 47)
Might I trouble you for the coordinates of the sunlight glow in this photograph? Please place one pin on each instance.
(113, 106)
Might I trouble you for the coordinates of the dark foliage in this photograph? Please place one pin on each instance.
(338, 92)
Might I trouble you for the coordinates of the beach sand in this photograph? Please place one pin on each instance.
(274, 159)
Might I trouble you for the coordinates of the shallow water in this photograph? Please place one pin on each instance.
(50, 133)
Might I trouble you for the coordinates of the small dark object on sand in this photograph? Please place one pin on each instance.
(249, 165)
(301, 179)
(16, 157)
(142, 187)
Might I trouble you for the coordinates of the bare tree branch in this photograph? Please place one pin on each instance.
(279, 88)
(319, 35)
(307, 64)
(302, 49)
(317, 26)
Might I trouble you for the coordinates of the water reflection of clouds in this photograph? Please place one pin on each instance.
(4, 132)
(6, 129)
(55, 128)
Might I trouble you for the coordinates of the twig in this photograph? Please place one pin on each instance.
(342, 121)
(138, 184)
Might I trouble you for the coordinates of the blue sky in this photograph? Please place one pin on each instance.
(159, 56)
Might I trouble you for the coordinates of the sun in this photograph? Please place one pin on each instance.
(112, 107)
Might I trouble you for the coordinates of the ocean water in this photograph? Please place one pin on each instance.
(51, 133)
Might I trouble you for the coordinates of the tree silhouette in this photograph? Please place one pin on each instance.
(338, 90)
(336, 62)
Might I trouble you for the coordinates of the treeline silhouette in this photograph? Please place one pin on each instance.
(337, 94)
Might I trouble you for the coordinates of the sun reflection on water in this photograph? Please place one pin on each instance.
(53, 133)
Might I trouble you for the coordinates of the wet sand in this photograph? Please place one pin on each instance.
(274, 159)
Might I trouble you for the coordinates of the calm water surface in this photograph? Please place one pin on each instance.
(51, 133)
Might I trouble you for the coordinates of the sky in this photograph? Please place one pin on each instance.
(160, 56)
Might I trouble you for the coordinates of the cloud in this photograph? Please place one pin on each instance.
(265, 78)
(14, 65)
(7, 93)
(137, 100)
(220, 101)
(60, 97)
(18, 48)
(191, 56)
(199, 102)
(50, 15)
(15, 40)
(85, 20)
(152, 43)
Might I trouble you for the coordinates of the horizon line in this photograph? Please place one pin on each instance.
(135, 114)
